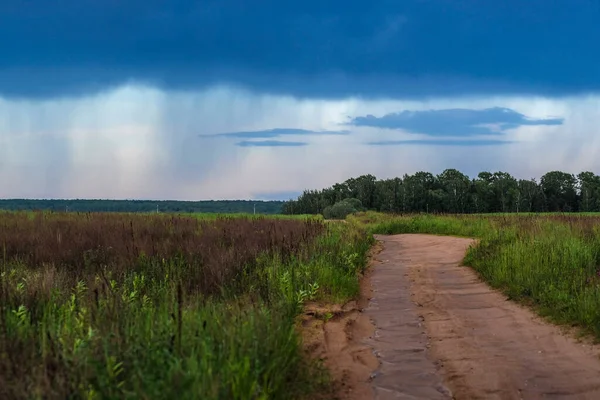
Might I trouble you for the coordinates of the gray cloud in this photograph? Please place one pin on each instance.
(277, 132)
(307, 48)
(441, 142)
(269, 143)
(454, 122)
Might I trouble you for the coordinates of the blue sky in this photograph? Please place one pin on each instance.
(207, 99)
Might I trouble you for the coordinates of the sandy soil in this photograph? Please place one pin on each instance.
(427, 328)
(480, 345)
(337, 336)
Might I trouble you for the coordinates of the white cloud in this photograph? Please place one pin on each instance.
(140, 142)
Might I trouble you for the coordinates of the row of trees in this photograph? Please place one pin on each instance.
(207, 206)
(454, 192)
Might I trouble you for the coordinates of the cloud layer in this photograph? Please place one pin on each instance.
(227, 99)
(269, 143)
(382, 48)
(441, 142)
(140, 142)
(278, 132)
(273, 133)
(454, 122)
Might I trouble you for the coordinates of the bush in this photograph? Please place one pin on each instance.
(342, 209)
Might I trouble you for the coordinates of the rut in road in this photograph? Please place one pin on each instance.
(442, 333)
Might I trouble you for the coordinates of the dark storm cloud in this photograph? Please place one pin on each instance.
(269, 143)
(412, 48)
(454, 122)
(441, 142)
(277, 132)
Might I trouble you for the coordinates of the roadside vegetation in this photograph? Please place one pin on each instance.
(98, 306)
(548, 261)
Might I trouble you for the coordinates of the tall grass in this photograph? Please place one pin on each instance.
(549, 261)
(102, 306)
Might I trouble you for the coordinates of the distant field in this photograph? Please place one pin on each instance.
(170, 206)
(198, 215)
(254, 216)
(160, 306)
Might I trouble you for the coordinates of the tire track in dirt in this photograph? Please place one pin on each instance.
(442, 333)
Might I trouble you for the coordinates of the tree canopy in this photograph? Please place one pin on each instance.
(454, 192)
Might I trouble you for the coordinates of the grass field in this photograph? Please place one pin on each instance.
(548, 261)
(98, 306)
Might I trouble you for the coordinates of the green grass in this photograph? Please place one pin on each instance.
(549, 261)
(142, 331)
(250, 215)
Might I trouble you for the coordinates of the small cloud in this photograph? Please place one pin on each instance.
(276, 132)
(454, 122)
(441, 142)
(269, 143)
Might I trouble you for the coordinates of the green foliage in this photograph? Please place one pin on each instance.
(452, 192)
(98, 308)
(343, 208)
(550, 261)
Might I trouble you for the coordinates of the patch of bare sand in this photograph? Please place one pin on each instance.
(483, 346)
(337, 335)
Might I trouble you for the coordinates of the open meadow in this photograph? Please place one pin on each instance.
(159, 306)
(162, 306)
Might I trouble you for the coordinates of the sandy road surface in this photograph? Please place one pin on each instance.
(441, 332)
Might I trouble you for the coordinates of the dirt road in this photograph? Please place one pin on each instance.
(441, 332)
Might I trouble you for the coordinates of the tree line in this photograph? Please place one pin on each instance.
(207, 206)
(454, 192)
